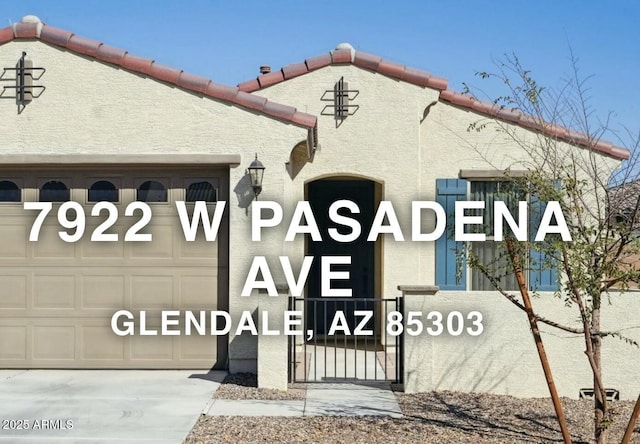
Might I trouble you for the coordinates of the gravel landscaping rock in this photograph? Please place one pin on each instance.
(436, 417)
(245, 386)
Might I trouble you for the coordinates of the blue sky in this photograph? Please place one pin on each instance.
(228, 40)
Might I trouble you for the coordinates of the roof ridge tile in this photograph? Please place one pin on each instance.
(318, 62)
(111, 54)
(55, 36)
(270, 79)
(391, 69)
(249, 85)
(250, 101)
(415, 76)
(279, 110)
(26, 30)
(341, 56)
(136, 63)
(83, 45)
(221, 92)
(193, 82)
(165, 73)
(294, 70)
(366, 60)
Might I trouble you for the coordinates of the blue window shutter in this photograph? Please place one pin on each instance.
(543, 276)
(448, 191)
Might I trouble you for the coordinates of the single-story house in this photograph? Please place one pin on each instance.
(90, 123)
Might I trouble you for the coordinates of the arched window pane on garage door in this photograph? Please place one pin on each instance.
(201, 191)
(54, 191)
(103, 190)
(9, 191)
(152, 191)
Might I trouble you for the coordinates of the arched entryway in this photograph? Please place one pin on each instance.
(321, 194)
(339, 356)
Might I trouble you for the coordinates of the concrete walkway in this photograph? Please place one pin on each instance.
(103, 406)
(348, 399)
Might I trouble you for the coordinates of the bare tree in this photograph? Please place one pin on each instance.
(600, 199)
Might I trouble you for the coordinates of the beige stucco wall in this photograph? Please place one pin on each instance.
(504, 359)
(394, 139)
(381, 141)
(91, 107)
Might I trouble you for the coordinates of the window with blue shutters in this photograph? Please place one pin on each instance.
(543, 269)
(451, 273)
(448, 191)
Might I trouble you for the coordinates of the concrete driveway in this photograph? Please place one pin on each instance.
(86, 406)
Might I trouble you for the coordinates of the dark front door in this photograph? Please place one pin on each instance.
(321, 194)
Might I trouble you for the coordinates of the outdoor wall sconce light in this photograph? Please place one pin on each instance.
(256, 170)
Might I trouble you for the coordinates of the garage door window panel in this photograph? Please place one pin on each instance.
(103, 191)
(201, 191)
(9, 191)
(152, 191)
(55, 191)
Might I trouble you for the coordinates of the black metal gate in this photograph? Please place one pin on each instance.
(345, 339)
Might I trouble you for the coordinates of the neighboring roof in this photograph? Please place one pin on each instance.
(345, 54)
(32, 28)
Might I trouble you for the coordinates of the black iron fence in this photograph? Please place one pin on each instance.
(345, 339)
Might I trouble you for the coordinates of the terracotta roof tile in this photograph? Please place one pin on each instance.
(346, 56)
(193, 82)
(578, 137)
(135, 63)
(111, 54)
(484, 107)
(318, 62)
(6, 35)
(517, 117)
(165, 73)
(341, 56)
(620, 152)
(83, 45)
(438, 83)
(221, 92)
(508, 114)
(367, 61)
(415, 76)
(294, 70)
(25, 30)
(529, 121)
(148, 67)
(276, 109)
(391, 69)
(270, 79)
(305, 119)
(55, 36)
(250, 101)
(557, 130)
(249, 86)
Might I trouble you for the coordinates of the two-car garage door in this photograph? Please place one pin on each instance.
(57, 298)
